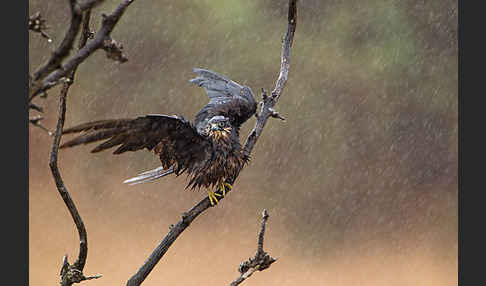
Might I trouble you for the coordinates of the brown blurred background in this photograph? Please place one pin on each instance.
(360, 181)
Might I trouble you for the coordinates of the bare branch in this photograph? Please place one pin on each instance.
(70, 273)
(36, 122)
(266, 112)
(261, 235)
(268, 104)
(260, 261)
(66, 45)
(35, 107)
(85, 32)
(164, 245)
(41, 84)
(38, 24)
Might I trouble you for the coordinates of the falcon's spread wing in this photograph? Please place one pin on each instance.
(173, 138)
(226, 98)
(180, 145)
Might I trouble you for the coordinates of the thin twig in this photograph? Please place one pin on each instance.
(266, 112)
(260, 261)
(36, 107)
(36, 122)
(37, 24)
(261, 234)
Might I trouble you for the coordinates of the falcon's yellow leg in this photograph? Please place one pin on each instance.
(212, 197)
(223, 186)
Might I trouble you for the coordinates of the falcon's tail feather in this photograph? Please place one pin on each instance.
(149, 176)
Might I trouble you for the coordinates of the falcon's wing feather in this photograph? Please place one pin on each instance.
(175, 140)
(226, 97)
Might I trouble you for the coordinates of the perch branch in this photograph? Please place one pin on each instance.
(50, 74)
(260, 261)
(266, 112)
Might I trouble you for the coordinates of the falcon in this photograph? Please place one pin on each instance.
(207, 150)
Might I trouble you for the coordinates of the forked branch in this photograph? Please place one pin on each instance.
(64, 48)
(260, 261)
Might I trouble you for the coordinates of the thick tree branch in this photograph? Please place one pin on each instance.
(267, 111)
(43, 81)
(260, 261)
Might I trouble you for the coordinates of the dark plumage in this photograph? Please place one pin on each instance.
(208, 149)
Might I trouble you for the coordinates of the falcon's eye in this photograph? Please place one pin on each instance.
(221, 124)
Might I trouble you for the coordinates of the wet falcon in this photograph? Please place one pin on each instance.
(208, 149)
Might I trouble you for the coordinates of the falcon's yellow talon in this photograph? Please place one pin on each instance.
(222, 187)
(212, 197)
(222, 192)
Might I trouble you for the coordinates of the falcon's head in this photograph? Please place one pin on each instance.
(219, 126)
